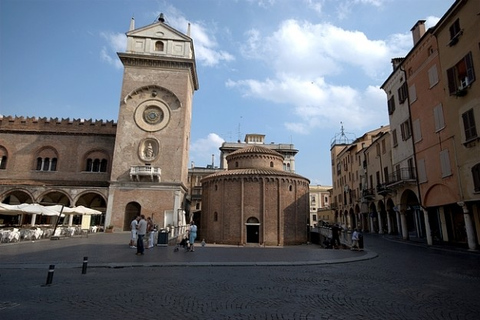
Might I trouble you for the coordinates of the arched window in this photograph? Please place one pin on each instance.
(236, 164)
(103, 165)
(96, 161)
(215, 216)
(271, 164)
(159, 46)
(46, 164)
(3, 162)
(46, 160)
(3, 158)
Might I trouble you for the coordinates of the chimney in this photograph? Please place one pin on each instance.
(396, 62)
(132, 24)
(418, 31)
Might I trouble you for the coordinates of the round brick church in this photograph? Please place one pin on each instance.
(255, 201)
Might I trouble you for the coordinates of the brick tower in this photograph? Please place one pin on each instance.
(150, 162)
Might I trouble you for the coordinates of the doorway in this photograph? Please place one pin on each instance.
(253, 230)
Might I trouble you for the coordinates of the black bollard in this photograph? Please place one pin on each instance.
(84, 266)
(51, 270)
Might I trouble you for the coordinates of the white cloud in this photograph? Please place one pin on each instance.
(206, 46)
(431, 21)
(319, 49)
(202, 149)
(306, 71)
(116, 42)
(318, 104)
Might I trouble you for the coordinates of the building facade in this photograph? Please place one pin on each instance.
(255, 201)
(320, 211)
(426, 184)
(138, 165)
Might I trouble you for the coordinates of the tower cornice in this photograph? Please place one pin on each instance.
(137, 60)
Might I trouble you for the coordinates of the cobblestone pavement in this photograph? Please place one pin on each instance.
(399, 281)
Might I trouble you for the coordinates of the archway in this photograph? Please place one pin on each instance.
(414, 216)
(132, 209)
(16, 197)
(95, 201)
(253, 230)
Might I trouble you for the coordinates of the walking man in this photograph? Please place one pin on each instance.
(141, 231)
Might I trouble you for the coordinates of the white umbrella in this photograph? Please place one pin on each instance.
(85, 210)
(35, 208)
(10, 209)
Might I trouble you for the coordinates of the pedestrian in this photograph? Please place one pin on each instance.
(133, 232)
(335, 236)
(192, 234)
(150, 232)
(355, 238)
(141, 231)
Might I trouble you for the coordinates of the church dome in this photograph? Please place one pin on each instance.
(255, 157)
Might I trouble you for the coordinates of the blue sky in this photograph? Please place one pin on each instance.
(293, 70)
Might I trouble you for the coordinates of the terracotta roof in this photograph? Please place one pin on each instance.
(253, 173)
(255, 149)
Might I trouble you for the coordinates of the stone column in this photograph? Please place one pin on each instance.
(389, 222)
(403, 219)
(380, 223)
(371, 224)
(468, 226)
(399, 222)
(428, 231)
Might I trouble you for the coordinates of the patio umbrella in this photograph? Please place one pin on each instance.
(10, 209)
(35, 208)
(85, 210)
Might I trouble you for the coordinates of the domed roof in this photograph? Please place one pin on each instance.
(254, 173)
(255, 149)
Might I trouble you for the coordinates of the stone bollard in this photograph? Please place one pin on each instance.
(84, 266)
(51, 270)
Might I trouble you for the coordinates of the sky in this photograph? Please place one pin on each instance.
(293, 70)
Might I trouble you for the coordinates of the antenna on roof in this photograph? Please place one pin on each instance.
(342, 138)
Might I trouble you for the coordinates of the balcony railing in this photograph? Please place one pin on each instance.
(137, 172)
(401, 176)
(368, 194)
(383, 190)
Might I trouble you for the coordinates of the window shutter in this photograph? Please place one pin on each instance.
(438, 116)
(470, 70)
(412, 92)
(417, 133)
(422, 175)
(452, 84)
(433, 75)
(445, 163)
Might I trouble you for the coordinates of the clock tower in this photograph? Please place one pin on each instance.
(150, 162)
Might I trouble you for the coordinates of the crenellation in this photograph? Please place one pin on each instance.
(58, 125)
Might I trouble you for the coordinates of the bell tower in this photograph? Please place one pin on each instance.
(150, 161)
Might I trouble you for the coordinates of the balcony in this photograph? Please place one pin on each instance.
(137, 172)
(402, 176)
(383, 190)
(368, 194)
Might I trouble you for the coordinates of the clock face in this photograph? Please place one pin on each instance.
(152, 115)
